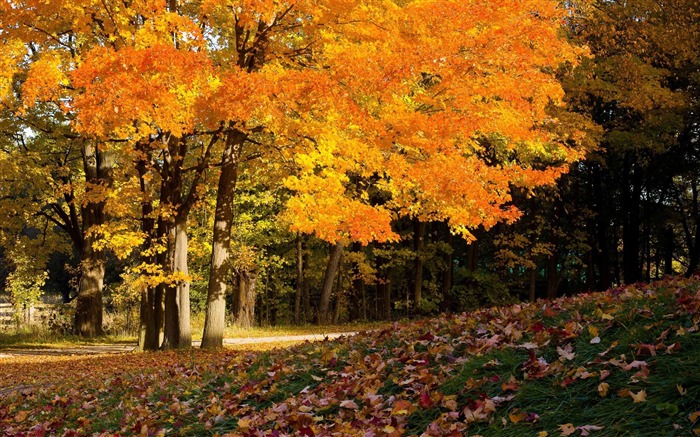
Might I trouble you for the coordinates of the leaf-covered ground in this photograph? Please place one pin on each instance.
(624, 362)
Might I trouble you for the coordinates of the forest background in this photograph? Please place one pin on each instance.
(316, 162)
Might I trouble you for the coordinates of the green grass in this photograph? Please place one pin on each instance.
(36, 337)
(42, 339)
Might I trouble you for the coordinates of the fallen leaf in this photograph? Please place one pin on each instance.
(402, 407)
(586, 429)
(603, 389)
(566, 352)
(635, 365)
(641, 396)
(595, 340)
(349, 404)
(19, 417)
(425, 400)
(567, 429)
(517, 416)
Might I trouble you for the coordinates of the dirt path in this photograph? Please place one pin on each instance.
(125, 348)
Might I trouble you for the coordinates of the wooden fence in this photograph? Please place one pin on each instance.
(29, 315)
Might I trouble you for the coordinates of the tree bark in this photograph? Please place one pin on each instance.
(355, 298)
(182, 287)
(418, 245)
(533, 284)
(223, 221)
(98, 165)
(602, 232)
(387, 294)
(472, 255)
(172, 309)
(328, 280)
(668, 251)
(338, 297)
(245, 316)
(448, 272)
(148, 338)
(148, 332)
(88, 313)
(300, 280)
(631, 191)
(305, 299)
(553, 278)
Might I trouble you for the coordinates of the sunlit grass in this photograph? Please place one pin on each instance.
(38, 337)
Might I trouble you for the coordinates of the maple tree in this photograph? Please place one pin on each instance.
(382, 111)
(442, 109)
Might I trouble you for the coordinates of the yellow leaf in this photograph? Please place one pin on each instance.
(603, 389)
(639, 397)
(593, 330)
(517, 416)
(567, 429)
(244, 424)
(542, 434)
(681, 390)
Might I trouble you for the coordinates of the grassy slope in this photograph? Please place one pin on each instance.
(522, 370)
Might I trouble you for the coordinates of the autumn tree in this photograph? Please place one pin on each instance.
(369, 112)
(640, 87)
(441, 124)
(72, 197)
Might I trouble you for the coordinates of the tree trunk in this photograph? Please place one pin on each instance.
(448, 271)
(356, 288)
(305, 299)
(472, 255)
(631, 191)
(148, 334)
(533, 284)
(418, 244)
(300, 280)
(98, 165)
(327, 286)
(183, 285)
(387, 294)
(171, 330)
(88, 313)
(223, 221)
(245, 316)
(553, 278)
(148, 331)
(602, 232)
(668, 251)
(338, 297)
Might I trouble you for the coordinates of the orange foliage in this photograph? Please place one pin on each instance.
(427, 108)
